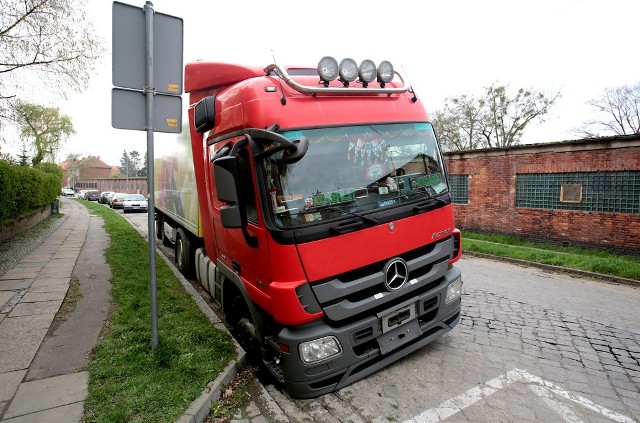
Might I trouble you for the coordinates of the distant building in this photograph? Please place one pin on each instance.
(76, 171)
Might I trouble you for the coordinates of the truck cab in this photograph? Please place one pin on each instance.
(326, 229)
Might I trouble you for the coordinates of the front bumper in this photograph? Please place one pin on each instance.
(365, 348)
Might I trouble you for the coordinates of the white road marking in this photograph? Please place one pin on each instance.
(542, 388)
(547, 396)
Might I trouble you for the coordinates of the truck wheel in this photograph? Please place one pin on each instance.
(159, 226)
(242, 326)
(183, 252)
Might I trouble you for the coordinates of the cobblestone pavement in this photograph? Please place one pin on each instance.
(515, 356)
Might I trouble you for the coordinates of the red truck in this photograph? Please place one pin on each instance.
(313, 205)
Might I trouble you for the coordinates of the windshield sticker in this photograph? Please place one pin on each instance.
(422, 126)
(388, 202)
(322, 199)
(312, 217)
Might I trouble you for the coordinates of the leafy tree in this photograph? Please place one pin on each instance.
(131, 165)
(51, 38)
(142, 172)
(619, 111)
(23, 158)
(44, 127)
(497, 119)
(76, 168)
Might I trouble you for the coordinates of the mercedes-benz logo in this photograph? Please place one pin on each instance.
(396, 274)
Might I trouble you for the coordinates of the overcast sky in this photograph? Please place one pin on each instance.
(446, 48)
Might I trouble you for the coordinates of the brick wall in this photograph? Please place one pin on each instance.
(492, 192)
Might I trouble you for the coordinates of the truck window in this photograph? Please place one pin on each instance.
(246, 185)
(355, 169)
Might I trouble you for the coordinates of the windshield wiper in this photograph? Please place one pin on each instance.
(372, 220)
(428, 204)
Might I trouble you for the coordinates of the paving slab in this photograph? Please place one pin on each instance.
(21, 273)
(63, 272)
(5, 296)
(30, 309)
(52, 393)
(50, 282)
(15, 326)
(15, 284)
(33, 297)
(9, 382)
(65, 414)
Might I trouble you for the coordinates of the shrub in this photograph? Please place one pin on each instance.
(23, 189)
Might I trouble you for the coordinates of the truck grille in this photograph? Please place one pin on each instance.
(351, 294)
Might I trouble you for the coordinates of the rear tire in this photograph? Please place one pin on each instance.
(183, 252)
(159, 226)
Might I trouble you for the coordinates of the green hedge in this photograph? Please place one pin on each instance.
(23, 189)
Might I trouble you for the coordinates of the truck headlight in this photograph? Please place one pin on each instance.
(319, 349)
(454, 291)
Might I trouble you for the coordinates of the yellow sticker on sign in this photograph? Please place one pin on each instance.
(173, 88)
(172, 123)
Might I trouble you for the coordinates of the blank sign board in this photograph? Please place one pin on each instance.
(129, 55)
(128, 111)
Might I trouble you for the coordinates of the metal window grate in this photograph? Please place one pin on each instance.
(459, 188)
(614, 192)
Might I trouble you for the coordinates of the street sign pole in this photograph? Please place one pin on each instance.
(149, 92)
(147, 79)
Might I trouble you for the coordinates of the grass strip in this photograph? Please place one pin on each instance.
(591, 260)
(128, 381)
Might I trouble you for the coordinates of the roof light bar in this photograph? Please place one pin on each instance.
(347, 71)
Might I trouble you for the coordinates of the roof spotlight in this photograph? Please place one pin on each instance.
(328, 69)
(385, 72)
(348, 70)
(367, 71)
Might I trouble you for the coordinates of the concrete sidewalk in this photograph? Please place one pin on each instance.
(31, 294)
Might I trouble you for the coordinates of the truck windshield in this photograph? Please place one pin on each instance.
(352, 170)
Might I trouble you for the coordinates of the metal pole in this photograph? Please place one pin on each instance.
(149, 93)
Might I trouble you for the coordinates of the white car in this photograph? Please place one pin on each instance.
(134, 202)
(68, 192)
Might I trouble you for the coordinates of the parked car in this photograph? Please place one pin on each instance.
(68, 192)
(117, 200)
(109, 197)
(82, 193)
(92, 195)
(104, 197)
(134, 202)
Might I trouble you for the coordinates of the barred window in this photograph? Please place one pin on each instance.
(459, 188)
(614, 192)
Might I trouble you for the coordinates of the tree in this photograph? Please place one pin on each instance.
(52, 38)
(23, 158)
(619, 111)
(143, 169)
(76, 166)
(44, 127)
(494, 120)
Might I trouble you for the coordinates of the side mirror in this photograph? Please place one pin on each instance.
(204, 114)
(225, 172)
(294, 154)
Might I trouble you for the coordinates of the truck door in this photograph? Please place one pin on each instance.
(252, 264)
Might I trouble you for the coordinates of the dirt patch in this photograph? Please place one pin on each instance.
(68, 305)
